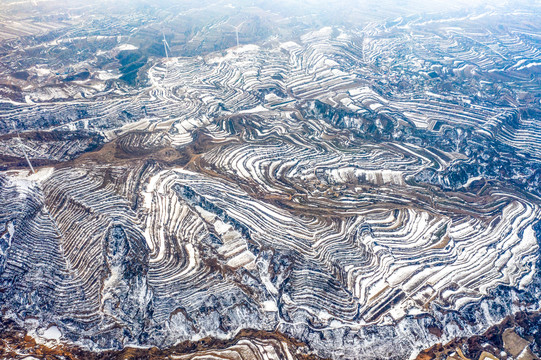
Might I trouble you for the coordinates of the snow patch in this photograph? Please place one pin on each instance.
(124, 47)
(270, 305)
(258, 108)
(52, 333)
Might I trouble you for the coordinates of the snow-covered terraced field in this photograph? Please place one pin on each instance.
(352, 189)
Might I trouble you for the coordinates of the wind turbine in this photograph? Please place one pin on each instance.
(165, 47)
(22, 147)
(237, 30)
(237, 33)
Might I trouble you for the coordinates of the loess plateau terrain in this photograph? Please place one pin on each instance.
(206, 180)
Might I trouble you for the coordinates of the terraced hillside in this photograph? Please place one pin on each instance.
(348, 193)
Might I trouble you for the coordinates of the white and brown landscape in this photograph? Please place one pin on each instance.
(358, 182)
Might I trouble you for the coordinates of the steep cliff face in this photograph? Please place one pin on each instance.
(15, 343)
(517, 336)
